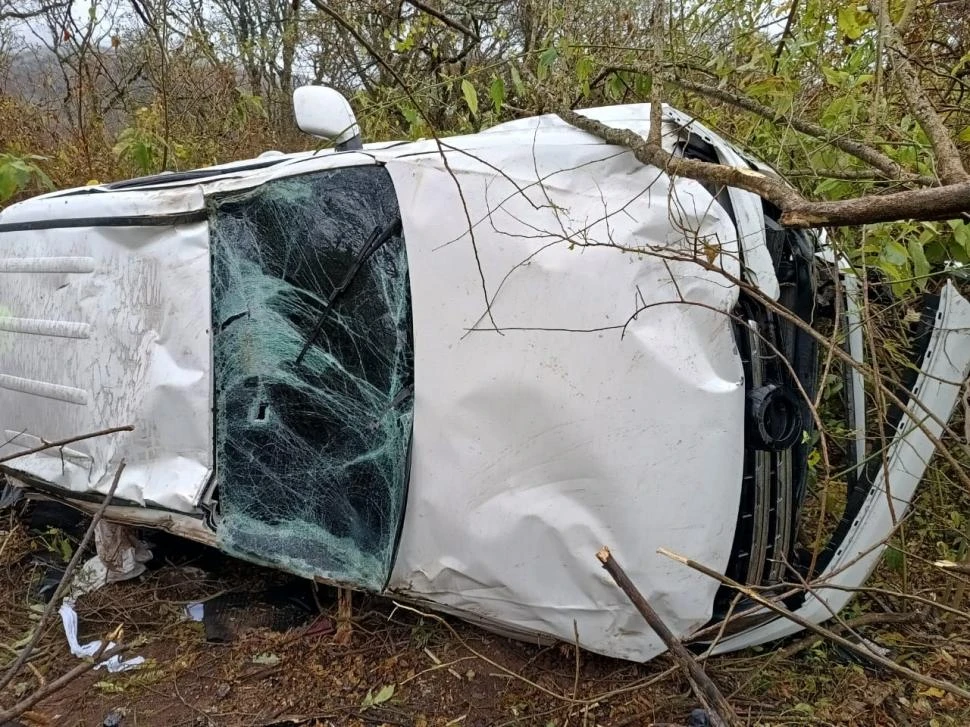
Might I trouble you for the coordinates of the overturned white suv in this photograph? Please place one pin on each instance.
(451, 370)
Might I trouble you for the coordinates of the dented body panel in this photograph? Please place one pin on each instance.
(106, 325)
(446, 371)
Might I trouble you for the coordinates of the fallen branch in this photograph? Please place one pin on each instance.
(821, 630)
(64, 442)
(949, 565)
(888, 167)
(936, 203)
(707, 689)
(62, 681)
(866, 619)
(63, 585)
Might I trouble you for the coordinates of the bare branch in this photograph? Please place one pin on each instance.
(63, 442)
(948, 202)
(425, 8)
(9, 14)
(873, 157)
(821, 630)
(705, 688)
(783, 41)
(656, 83)
(949, 565)
(103, 653)
(948, 162)
(62, 586)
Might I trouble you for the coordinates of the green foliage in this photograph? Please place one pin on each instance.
(57, 543)
(497, 93)
(471, 96)
(140, 144)
(18, 173)
(383, 695)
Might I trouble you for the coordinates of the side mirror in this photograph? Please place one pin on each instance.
(324, 112)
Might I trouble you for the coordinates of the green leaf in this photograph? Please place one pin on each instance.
(471, 95)
(17, 172)
(517, 80)
(851, 21)
(921, 266)
(961, 233)
(964, 135)
(497, 93)
(8, 182)
(266, 659)
(384, 694)
(642, 84)
(895, 559)
(546, 59)
(615, 86)
(834, 77)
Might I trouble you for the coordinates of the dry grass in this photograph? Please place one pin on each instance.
(442, 672)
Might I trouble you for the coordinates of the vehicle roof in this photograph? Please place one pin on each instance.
(547, 129)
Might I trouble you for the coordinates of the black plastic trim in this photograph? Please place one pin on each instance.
(178, 218)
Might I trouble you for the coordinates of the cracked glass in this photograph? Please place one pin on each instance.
(313, 365)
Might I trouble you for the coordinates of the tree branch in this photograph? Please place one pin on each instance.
(948, 202)
(65, 582)
(707, 689)
(948, 163)
(29, 14)
(101, 655)
(783, 41)
(63, 442)
(873, 157)
(656, 81)
(821, 630)
(423, 7)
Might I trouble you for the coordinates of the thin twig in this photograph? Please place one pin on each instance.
(866, 619)
(444, 19)
(783, 41)
(100, 656)
(64, 583)
(63, 442)
(821, 630)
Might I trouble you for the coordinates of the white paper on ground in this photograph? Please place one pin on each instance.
(194, 611)
(114, 664)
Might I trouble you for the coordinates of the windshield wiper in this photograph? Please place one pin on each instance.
(377, 238)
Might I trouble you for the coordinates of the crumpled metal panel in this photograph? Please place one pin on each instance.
(107, 326)
(581, 422)
(937, 392)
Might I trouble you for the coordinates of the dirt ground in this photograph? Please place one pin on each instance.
(400, 667)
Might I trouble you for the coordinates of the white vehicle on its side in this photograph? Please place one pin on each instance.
(450, 371)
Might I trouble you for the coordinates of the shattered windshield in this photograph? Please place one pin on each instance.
(313, 360)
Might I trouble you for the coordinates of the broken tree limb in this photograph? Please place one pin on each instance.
(103, 654)
(820, 630)
(705, 686)
(950, 201)
(64, 584)
(882, 166)
(866, 619)
(64, 442)
(873, 157)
